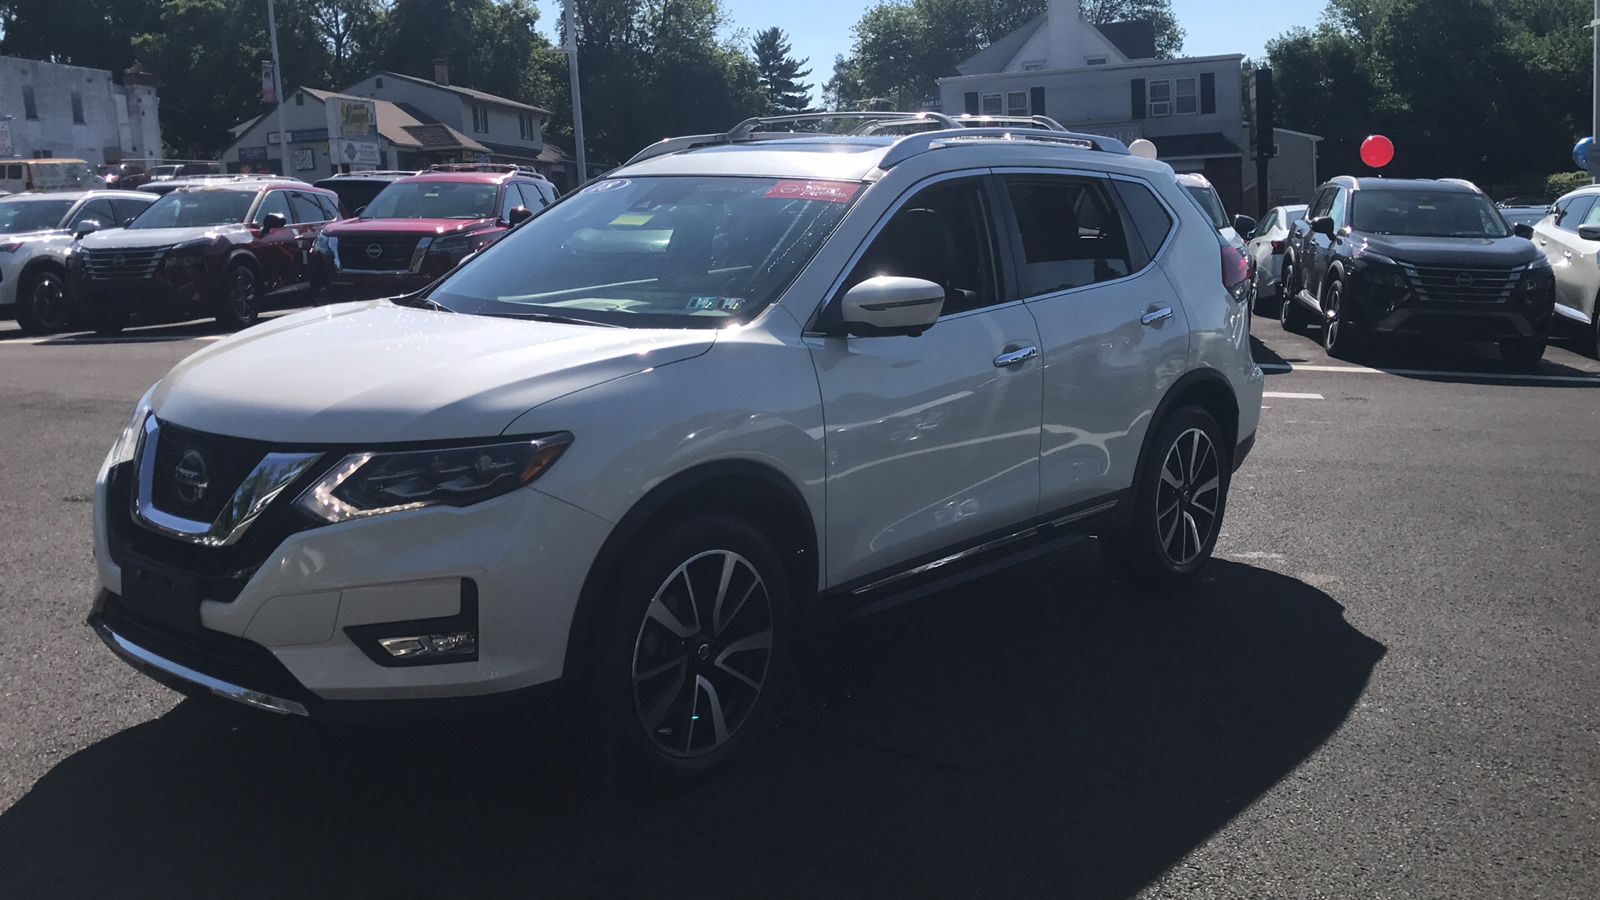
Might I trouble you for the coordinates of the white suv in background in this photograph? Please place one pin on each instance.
(744, 377)
(35, 232)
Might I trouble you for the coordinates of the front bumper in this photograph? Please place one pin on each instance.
(289, 617)
(1395, 309)
(182, 287)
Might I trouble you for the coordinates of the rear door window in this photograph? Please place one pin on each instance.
(307, 211)
(1071, 233)
(128, 209)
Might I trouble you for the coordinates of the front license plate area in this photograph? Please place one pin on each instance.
(169, 598)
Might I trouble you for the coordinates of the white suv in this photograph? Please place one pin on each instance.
(36, 231)
(744, 378)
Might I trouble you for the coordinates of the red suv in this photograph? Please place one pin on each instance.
(226, 251)
(418, 228)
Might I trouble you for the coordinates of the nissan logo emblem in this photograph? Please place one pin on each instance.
(119, 260)
(190, 476)
(374, 251)
(1464, 280)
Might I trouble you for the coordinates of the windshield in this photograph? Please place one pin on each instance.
(19, 216)
(185, 209)
(1209, 204)
(674, 252)
(434, 200)
(1426, 214)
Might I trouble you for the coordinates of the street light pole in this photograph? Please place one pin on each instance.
(577, 99)
(277, 86)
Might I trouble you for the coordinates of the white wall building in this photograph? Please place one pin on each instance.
(62, 111)
(1105, 80)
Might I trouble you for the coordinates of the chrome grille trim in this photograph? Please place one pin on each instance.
(1463, 284)
(136, 263)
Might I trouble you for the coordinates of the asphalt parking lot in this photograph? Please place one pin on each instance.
(1387, 685)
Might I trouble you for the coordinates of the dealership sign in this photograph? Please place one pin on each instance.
(353, 132)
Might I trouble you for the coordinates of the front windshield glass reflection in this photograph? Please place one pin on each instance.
(1426, 214)
(676, 252)
(196, 209)
(20, 216)
(433, 200)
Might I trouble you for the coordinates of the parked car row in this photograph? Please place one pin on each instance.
(232, 246)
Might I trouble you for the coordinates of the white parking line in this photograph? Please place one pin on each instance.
(1290, 395)
(1432, 373)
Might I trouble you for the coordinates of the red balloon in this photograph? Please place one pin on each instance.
(1377, 151)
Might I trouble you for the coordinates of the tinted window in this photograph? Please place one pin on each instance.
(306, 209)
(663, 252)
(1571, 212)
(127, 209)
(1071, 233)
(1150, 219)
(330, 209)
(98, 209)
(1206, 199)
(274, 202)
(942, 235)
(511, 199)
(1341, 199)
(1592, 217)
(1426, 213)
(1319, 206)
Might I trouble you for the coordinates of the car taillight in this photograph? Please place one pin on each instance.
(1277, 247)
(1235, 271)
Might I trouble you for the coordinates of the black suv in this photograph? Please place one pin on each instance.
(1416, 256)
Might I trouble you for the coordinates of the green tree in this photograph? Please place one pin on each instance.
(780, 72)
(843, 90)
(1169, 36)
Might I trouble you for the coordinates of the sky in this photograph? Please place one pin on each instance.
(820, 29)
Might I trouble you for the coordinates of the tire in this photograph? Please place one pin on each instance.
(107, 321)
(42, 306)
(1522, 353)
(1341, 338)
(1179, 496)
(240, 303)
(1291, 315)
(669, 649)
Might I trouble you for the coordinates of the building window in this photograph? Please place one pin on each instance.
(527, 126)
(1186, 91)
(379, 82)
(1033, 65)
(30, 109)
(1010, 103)
(480, 119)
(1097, 60)
(77, 108)
(299, 99)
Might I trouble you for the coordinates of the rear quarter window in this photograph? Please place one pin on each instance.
(1151, 221)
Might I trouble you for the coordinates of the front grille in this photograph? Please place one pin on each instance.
(378, 252)
(223, 656)
(135, 263)
(1452, 284)
(196, 474)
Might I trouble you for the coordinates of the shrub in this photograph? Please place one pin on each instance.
(1563, 182)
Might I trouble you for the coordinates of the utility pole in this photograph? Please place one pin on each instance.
(570, 21)
(1594, 157)
(277, 85)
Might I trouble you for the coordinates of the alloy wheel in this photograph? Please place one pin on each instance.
(242, 295)
(1330, 333)
(48, 303)
(1188, 497)
(702, 653)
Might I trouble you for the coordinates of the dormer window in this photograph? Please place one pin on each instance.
(1033, 65)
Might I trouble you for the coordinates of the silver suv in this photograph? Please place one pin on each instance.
(36, 230)
(622, 450)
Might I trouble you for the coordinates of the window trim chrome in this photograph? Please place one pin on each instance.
(266, 481)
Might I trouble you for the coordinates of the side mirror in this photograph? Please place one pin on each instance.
(518, 215)
(1589, 232)
(86, 227)
(272, 222)
(1244, 225)
(1524, 230)
(1323, 225)
(891, 305)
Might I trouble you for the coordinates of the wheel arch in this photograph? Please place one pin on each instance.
(1206, 388)
(38, 263)
(242, 257)
(747, 489)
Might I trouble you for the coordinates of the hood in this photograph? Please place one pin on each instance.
(31, 236)
(379, 373)
(1437, 251)
(419, 227)
(139, 238)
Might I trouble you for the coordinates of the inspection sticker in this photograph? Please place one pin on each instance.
(601, 187)
(831, 191)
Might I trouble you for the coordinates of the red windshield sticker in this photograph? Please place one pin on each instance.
(831, 191)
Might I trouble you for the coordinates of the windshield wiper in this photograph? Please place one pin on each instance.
(551, 317)
(421, 303)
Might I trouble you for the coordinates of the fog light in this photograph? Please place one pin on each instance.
(455, 643)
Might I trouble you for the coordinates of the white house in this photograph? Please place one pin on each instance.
(53, 110)
(1105, 80)
(509, 131)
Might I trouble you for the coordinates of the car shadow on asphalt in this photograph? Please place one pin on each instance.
(1041, 733)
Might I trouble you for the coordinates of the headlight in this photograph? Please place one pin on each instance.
(128, 442)
(11, 247)
(187, 254)
(370, 484)
(458, 244)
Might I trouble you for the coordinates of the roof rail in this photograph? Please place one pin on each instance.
(1043, 123)
(1463, 182)
(510, 168)
(751, 130)
(915, 144)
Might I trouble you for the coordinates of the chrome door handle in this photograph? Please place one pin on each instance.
(1015, 356)
(1150, 318)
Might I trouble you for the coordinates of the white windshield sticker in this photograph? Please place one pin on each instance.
(615, 184)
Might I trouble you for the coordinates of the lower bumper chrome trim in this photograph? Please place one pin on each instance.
(140, 658)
